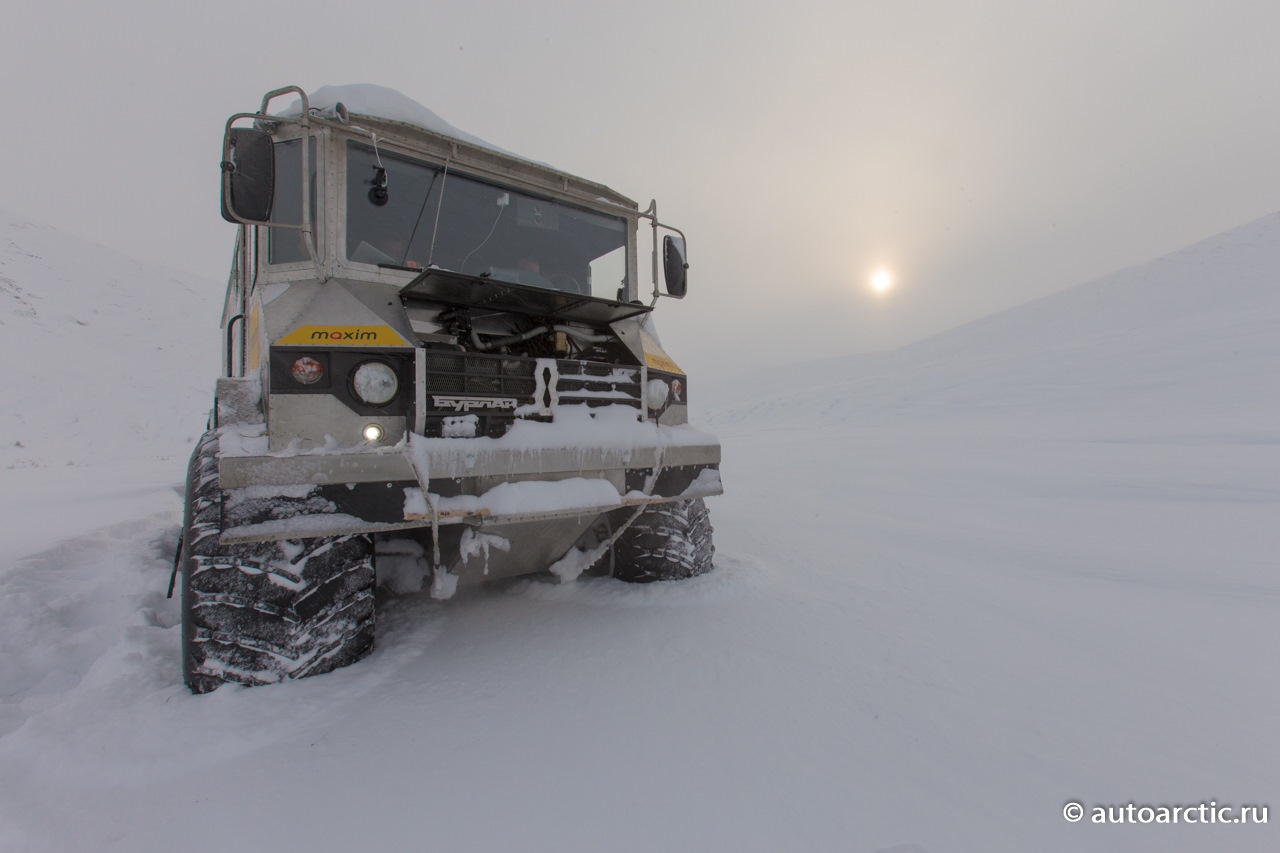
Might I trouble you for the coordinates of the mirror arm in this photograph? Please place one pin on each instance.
(651, 214)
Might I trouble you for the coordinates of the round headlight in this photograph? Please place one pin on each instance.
(375, 383)
(657, 394)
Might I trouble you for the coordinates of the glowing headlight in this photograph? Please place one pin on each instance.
(375, 383)
(373, 432)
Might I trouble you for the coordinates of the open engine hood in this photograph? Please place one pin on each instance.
(451, 288)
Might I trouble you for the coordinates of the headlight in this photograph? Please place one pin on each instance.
(375, 383)
(657, 393)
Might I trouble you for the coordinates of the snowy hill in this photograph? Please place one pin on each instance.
(116, 356)
(1193, 330)
(1026, 562)
(109, 366)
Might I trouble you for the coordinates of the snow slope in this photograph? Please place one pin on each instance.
(108, 365)
(1144, 343)
(1028, 561)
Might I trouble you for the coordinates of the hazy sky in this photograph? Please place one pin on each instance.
(984, 152)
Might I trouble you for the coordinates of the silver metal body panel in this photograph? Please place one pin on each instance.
(308, 421)
(532, 546)
(239, 472)
(337, 302)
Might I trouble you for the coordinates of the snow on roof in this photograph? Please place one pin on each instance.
(370, 99)
(381, 102)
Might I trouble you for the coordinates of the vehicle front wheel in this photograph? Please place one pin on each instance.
(263, 612)
(669, 541)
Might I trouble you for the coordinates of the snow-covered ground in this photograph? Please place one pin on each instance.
(1029, 561)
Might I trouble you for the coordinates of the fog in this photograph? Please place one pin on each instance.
(983, 153)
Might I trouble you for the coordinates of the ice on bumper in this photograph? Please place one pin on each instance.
(530, 497)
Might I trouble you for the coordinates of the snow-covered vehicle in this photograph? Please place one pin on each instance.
(437, 357)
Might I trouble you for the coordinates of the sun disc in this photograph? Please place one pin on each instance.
(881, 281)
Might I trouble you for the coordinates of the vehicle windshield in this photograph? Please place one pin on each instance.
(466, 225)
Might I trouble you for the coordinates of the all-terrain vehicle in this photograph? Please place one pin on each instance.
(437, 356)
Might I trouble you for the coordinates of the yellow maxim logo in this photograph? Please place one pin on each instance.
(661, 362)
(377, 336)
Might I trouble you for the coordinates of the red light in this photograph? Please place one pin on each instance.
(307, 371)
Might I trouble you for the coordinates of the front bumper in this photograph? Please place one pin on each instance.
(433, 481)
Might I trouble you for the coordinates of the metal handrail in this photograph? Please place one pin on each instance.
(284, 90)
(231, 367)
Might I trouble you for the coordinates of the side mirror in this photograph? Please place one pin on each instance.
(248, 175)
(674, 267)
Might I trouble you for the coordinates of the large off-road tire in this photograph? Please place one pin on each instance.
(669, 541)
(263, 612)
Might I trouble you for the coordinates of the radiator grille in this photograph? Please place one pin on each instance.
(597, 384)
(488, 385)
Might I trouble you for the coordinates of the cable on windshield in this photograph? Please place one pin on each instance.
(431, 253)
(505, 197)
